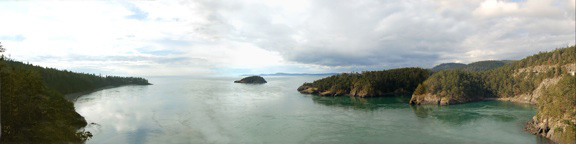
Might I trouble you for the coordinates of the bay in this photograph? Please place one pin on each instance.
(216, 110)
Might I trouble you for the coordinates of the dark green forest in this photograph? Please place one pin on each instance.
(252, 79)
(447, 66)
(478, 66)
(33, 107)
(456, 84)
(67, 82)
(371, 83)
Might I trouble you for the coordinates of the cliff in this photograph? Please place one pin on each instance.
(544, 79)
(556, 118)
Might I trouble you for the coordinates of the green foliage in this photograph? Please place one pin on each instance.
(557, 102)
(483, 66)
(420, 90)
(32, 113)
(447, 66)
(252, 79)
(67, 82)
(560, 56)
(455, 84)
(504, 81)
(479, 66)
(402, 80)
(33, 108)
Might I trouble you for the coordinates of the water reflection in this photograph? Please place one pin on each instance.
(454, 114)
(219, 111)
(423, 111)
(465, 113)
(358, 103)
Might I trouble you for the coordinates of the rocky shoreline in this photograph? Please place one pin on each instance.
(354, 93)
(541, 124)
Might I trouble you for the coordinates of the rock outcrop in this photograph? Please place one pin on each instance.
(556, 118)
(307, 90)
(252, 80)
(547, 80)
(436, 99)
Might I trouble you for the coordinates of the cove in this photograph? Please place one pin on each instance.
(216, 110)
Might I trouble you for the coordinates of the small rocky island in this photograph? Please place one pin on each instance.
(252, 80)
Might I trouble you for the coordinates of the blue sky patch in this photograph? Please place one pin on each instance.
(138, 14)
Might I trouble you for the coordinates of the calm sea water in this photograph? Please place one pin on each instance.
(216, 110)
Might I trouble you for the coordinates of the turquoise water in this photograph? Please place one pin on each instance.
(216, 110)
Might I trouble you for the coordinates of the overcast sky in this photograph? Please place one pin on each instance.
(233, 37)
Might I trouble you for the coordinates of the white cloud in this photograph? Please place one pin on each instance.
(191, 37)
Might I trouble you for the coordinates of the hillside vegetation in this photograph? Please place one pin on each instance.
(67, 82)
(368, 84)
(543, 79)
(33, 107)
(447, 66)
(479, 66)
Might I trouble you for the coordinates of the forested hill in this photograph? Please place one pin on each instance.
(447, 66)
(369, 83)
(33, 107)
(478, 66)
(67, 82)
(546, 79)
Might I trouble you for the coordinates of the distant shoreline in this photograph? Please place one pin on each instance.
(74, 96)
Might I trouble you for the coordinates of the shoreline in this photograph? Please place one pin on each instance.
(513, 100)
(74, 96)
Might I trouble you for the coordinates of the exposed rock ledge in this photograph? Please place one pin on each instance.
(312, 90)
(355, 92)
(438, 100)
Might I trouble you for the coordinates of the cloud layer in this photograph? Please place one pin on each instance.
(251, 36)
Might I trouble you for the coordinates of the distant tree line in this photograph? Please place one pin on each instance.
(479, 66)
(67, 82)
(373, 83)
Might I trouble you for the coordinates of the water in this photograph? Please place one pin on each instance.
(216, 110)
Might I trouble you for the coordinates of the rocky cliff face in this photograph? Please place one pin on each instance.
(556, 101)
(355, 92)
(556, 118)
(437, 99)
(560, 130)
(531, 97)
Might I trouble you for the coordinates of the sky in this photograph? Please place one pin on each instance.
(235, 37)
